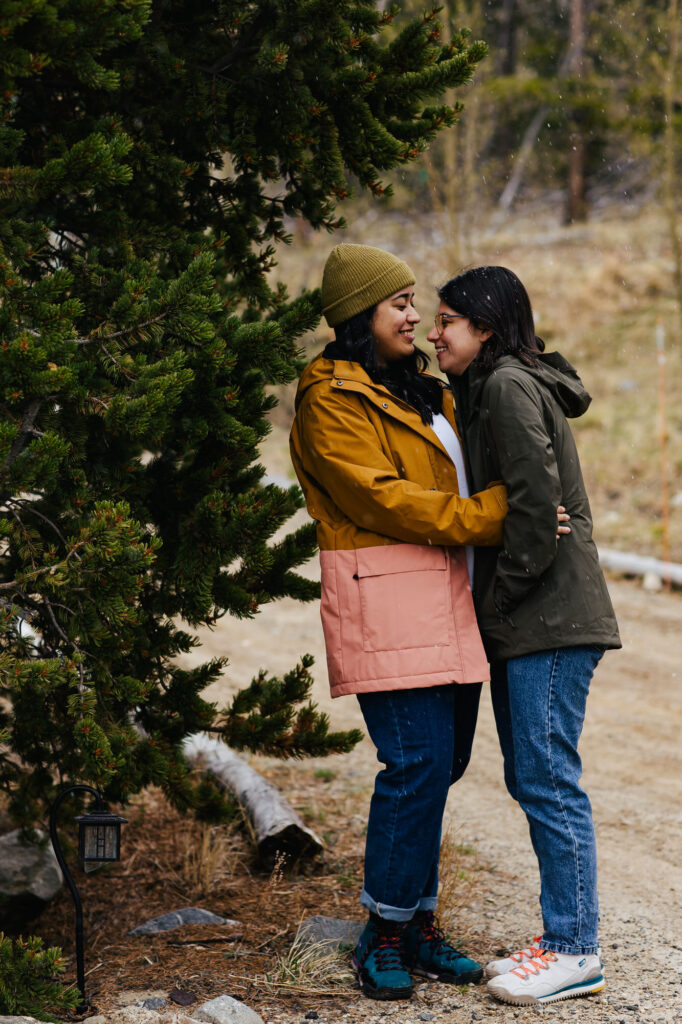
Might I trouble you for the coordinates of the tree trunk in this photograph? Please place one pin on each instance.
(506, 40)
(670, 185)
(576, 202)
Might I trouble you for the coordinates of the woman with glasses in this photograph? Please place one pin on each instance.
(376, 452)
(543, 608)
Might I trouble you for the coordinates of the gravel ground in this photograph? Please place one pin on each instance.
(630, 751)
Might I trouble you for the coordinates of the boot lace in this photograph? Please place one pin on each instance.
(431, 932)
(388, 948)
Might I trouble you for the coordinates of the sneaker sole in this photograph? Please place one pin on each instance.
(583, 988)
(383, 994)
(468, 978)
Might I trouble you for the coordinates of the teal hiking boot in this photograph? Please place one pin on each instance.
(379, 960)
(431, 955)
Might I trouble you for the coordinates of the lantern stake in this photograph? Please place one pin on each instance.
(100, 817)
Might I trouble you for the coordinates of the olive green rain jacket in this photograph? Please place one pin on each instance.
(535, 592)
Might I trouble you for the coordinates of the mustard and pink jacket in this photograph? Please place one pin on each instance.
(396, 606)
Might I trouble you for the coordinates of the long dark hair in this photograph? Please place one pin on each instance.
(404, 378)
(494, 299)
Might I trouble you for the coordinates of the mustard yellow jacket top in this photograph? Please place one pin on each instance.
(373, 473)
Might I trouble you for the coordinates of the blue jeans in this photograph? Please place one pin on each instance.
(539, 703)
(423, 737)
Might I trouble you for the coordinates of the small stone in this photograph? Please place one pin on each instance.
(181, 997)
(426, 1016)
(154, 1003)
(312, 1015)
(226, 1010)
(176, 919)
(135, 997)
(331, 932)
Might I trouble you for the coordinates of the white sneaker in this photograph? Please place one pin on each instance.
(496, 967)
(548, 978)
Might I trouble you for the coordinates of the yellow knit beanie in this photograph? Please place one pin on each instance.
(357, 277)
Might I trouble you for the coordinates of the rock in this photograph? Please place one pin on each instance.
(29, 878)
(154, 1003)
(177, 918)
(18, 1020)
(331, 931)
(130, 997)
(652, 582)
(128, 1015)
(226, 1010)
(181, 997)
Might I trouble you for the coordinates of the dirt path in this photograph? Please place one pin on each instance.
(630, 750)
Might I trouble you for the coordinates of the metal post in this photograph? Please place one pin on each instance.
(663, 440)
(80, 959)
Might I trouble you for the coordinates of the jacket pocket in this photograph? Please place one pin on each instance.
(404, 597)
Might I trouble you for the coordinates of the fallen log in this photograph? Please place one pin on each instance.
(640, 565)
(278, 831)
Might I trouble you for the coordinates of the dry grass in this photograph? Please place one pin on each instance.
(313, 968)
(462, 877)
(210, 855)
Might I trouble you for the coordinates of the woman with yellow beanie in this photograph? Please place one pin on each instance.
(375, 448)
(376, 451)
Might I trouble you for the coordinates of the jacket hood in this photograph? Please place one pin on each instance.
(558, 376)
(553, 372)
(318, 371)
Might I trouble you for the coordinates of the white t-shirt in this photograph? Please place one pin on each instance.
(448, 438)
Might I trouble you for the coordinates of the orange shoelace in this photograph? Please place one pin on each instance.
(529, 953)
(542, 962)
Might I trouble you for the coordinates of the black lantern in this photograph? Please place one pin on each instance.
(99, 839)
(99, 836)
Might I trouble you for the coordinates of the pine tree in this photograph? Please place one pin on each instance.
(154, 154)
(30, 979)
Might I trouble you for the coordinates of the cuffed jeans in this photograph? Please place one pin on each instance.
(539, 703)
(423, 737)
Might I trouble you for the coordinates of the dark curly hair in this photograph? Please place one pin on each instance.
(404, 378)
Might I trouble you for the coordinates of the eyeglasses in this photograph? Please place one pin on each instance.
(441, 320)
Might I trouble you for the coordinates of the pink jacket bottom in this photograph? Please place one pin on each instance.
(399, 616)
